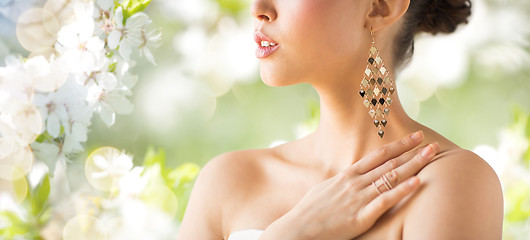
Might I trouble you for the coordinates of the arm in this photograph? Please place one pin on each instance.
(216, 182)
(461, 199)
(202, 219)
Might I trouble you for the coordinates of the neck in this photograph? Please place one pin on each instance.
(346, 131)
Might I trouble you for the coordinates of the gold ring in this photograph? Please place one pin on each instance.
(383, 181)
(377, 187)
(387, 183)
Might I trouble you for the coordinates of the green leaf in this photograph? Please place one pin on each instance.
(130, 7)
(39, 196)
(112, 67)
(526, 157)
(520, 119)
(43, 137)
(233, 6)
(11, 217)
(527, 127)
(109, 55)
(40, 138)
(153, 157)
(15, 226)
(183, 174)
(45, 216)
(518, 205)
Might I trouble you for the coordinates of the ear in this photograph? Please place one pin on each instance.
(384, 13)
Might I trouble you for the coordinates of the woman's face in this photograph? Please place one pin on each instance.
(318, 40)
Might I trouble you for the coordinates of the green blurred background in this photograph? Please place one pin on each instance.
(204, 97)
(462, 85)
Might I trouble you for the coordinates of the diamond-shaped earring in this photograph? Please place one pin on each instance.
(376, 92)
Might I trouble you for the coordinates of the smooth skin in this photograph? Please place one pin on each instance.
(315, 187)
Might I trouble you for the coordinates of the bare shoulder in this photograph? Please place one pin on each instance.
(223, 179)
(460, 198)
(232, 172)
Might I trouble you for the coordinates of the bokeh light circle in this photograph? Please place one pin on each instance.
(26, 119)
(47, 76)
(16, 158)
(17, 189)
(36, 30)
(96, 171)
(84, 227)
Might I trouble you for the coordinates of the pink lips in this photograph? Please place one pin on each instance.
(263, 52)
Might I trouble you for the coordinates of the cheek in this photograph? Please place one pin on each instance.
(318, 37)
(324, 31)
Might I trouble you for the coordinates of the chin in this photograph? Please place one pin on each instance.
(273, 83)
(274, 80)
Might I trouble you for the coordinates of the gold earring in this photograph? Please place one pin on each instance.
(377, 88)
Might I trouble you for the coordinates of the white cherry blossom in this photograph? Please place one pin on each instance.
(47, 75)
(108, 97)
(105, 167)
(77, 44)
(118, 165)
(14, 82)
(68, 109)
(133, 35)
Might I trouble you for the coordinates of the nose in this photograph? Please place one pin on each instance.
(263, 10)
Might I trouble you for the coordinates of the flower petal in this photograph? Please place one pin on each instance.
(120, 104)
(101, 162)
(125, 50)
(118, 17)
(114, 39)
(79, 132)
(149, 55)
(105, 4)
(94, 44)
(53, 126)
(107, 115)
(137, 20)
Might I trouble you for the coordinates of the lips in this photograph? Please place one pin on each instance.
(266, 45)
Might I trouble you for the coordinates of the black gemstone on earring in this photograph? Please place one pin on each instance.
(384, 122)
(381, 133)
(374, 101)
(381, 101)
(384, 91)
(376, 122)
(379, 80)
(371, 60)
(362, 93)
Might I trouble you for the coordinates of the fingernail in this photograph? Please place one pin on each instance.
(435, 145)
(413, 181)
(427, 151)
(417, 135)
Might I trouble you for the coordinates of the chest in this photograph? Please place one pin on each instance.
(264, 204)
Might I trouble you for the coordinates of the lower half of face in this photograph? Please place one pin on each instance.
(318, 41)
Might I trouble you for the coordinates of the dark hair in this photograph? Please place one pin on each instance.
(430, 16)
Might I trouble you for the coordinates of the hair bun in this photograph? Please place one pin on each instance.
(444, 15)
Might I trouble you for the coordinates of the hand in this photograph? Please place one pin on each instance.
(348, 204)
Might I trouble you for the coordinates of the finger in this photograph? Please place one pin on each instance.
(384, 183)
(392, 178)
(419, 161)
(388, 151)
(390, 165)
(373, 210)
(406, 164)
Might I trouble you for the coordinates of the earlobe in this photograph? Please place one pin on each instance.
(384, 13)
